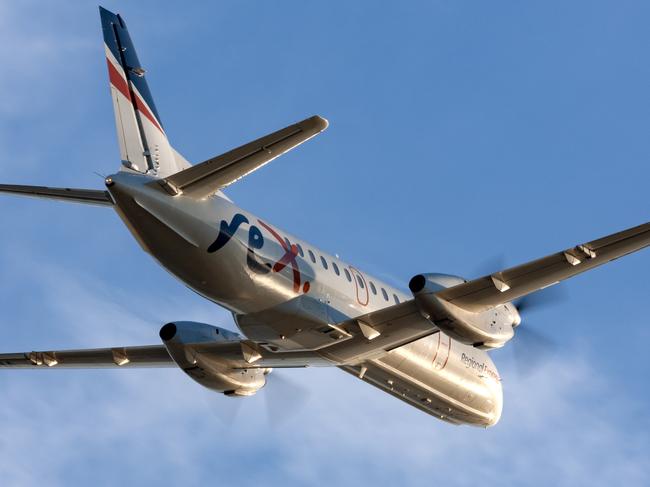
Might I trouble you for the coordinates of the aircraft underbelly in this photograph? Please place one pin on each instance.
(178, 239)
(441, 377)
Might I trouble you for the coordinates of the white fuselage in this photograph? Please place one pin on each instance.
(284, 292)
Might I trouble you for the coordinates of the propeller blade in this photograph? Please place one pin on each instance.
(545, 297)
(531, 348)
(490, 265)
(283, 396)
(225, 409)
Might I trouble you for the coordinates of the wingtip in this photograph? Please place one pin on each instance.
(321, 122)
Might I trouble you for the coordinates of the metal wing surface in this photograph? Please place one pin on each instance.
(127, 357)
(156, 356)
(509, 284)
(366, 337)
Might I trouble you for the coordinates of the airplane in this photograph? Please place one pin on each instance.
(295, 305)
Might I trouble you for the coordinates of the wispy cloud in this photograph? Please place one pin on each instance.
(570, 423)
(558, 425)
(34, 52)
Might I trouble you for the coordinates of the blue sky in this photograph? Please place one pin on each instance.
(459, 131)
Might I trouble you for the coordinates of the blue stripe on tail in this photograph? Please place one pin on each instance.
(118, 40)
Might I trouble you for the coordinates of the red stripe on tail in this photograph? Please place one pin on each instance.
(121, 85)
(117, 80)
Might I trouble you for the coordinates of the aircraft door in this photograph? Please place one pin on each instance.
(361, 287)
(441, 355)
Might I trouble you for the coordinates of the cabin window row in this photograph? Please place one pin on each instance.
(337, 271)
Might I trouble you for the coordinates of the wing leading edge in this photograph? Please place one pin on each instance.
(353, 341)
(507, 285)
(129, 357)
(156, 356)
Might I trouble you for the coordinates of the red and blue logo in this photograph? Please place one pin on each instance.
(255, 263)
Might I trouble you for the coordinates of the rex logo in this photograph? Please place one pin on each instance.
(256, 242)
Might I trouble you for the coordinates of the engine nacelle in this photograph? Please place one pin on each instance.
(183, 339)
(488, 329)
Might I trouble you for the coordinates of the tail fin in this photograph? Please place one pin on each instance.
(144, 147)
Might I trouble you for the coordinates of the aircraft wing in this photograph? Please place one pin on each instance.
(509, 284)
(207, 177)
(157, 356)
(378, 332)
(352, 341)
(129, 357)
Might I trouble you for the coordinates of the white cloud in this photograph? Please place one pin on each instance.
(569, 424)
(35, 52)
(559, 425)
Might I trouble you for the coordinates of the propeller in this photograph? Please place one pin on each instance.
(490, 265)
(545, 297)
(532, 347)
(282, 396)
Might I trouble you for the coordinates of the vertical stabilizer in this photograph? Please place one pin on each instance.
(144, 147)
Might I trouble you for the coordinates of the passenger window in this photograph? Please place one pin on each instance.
(396, 298)
(384, 294)
(312, 256)
(336, 269)
(302, 254)
(324, 262)
(347, 275)
(360, 281)
(373, 288)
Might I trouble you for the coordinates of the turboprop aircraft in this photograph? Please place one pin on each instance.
(295, 305)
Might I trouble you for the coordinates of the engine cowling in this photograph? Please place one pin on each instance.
(488, 329)
(183, 339)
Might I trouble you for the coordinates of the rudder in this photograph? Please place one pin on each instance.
(144, 147)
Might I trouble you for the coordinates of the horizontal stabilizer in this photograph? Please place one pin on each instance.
(206, 178)
(86, 196)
